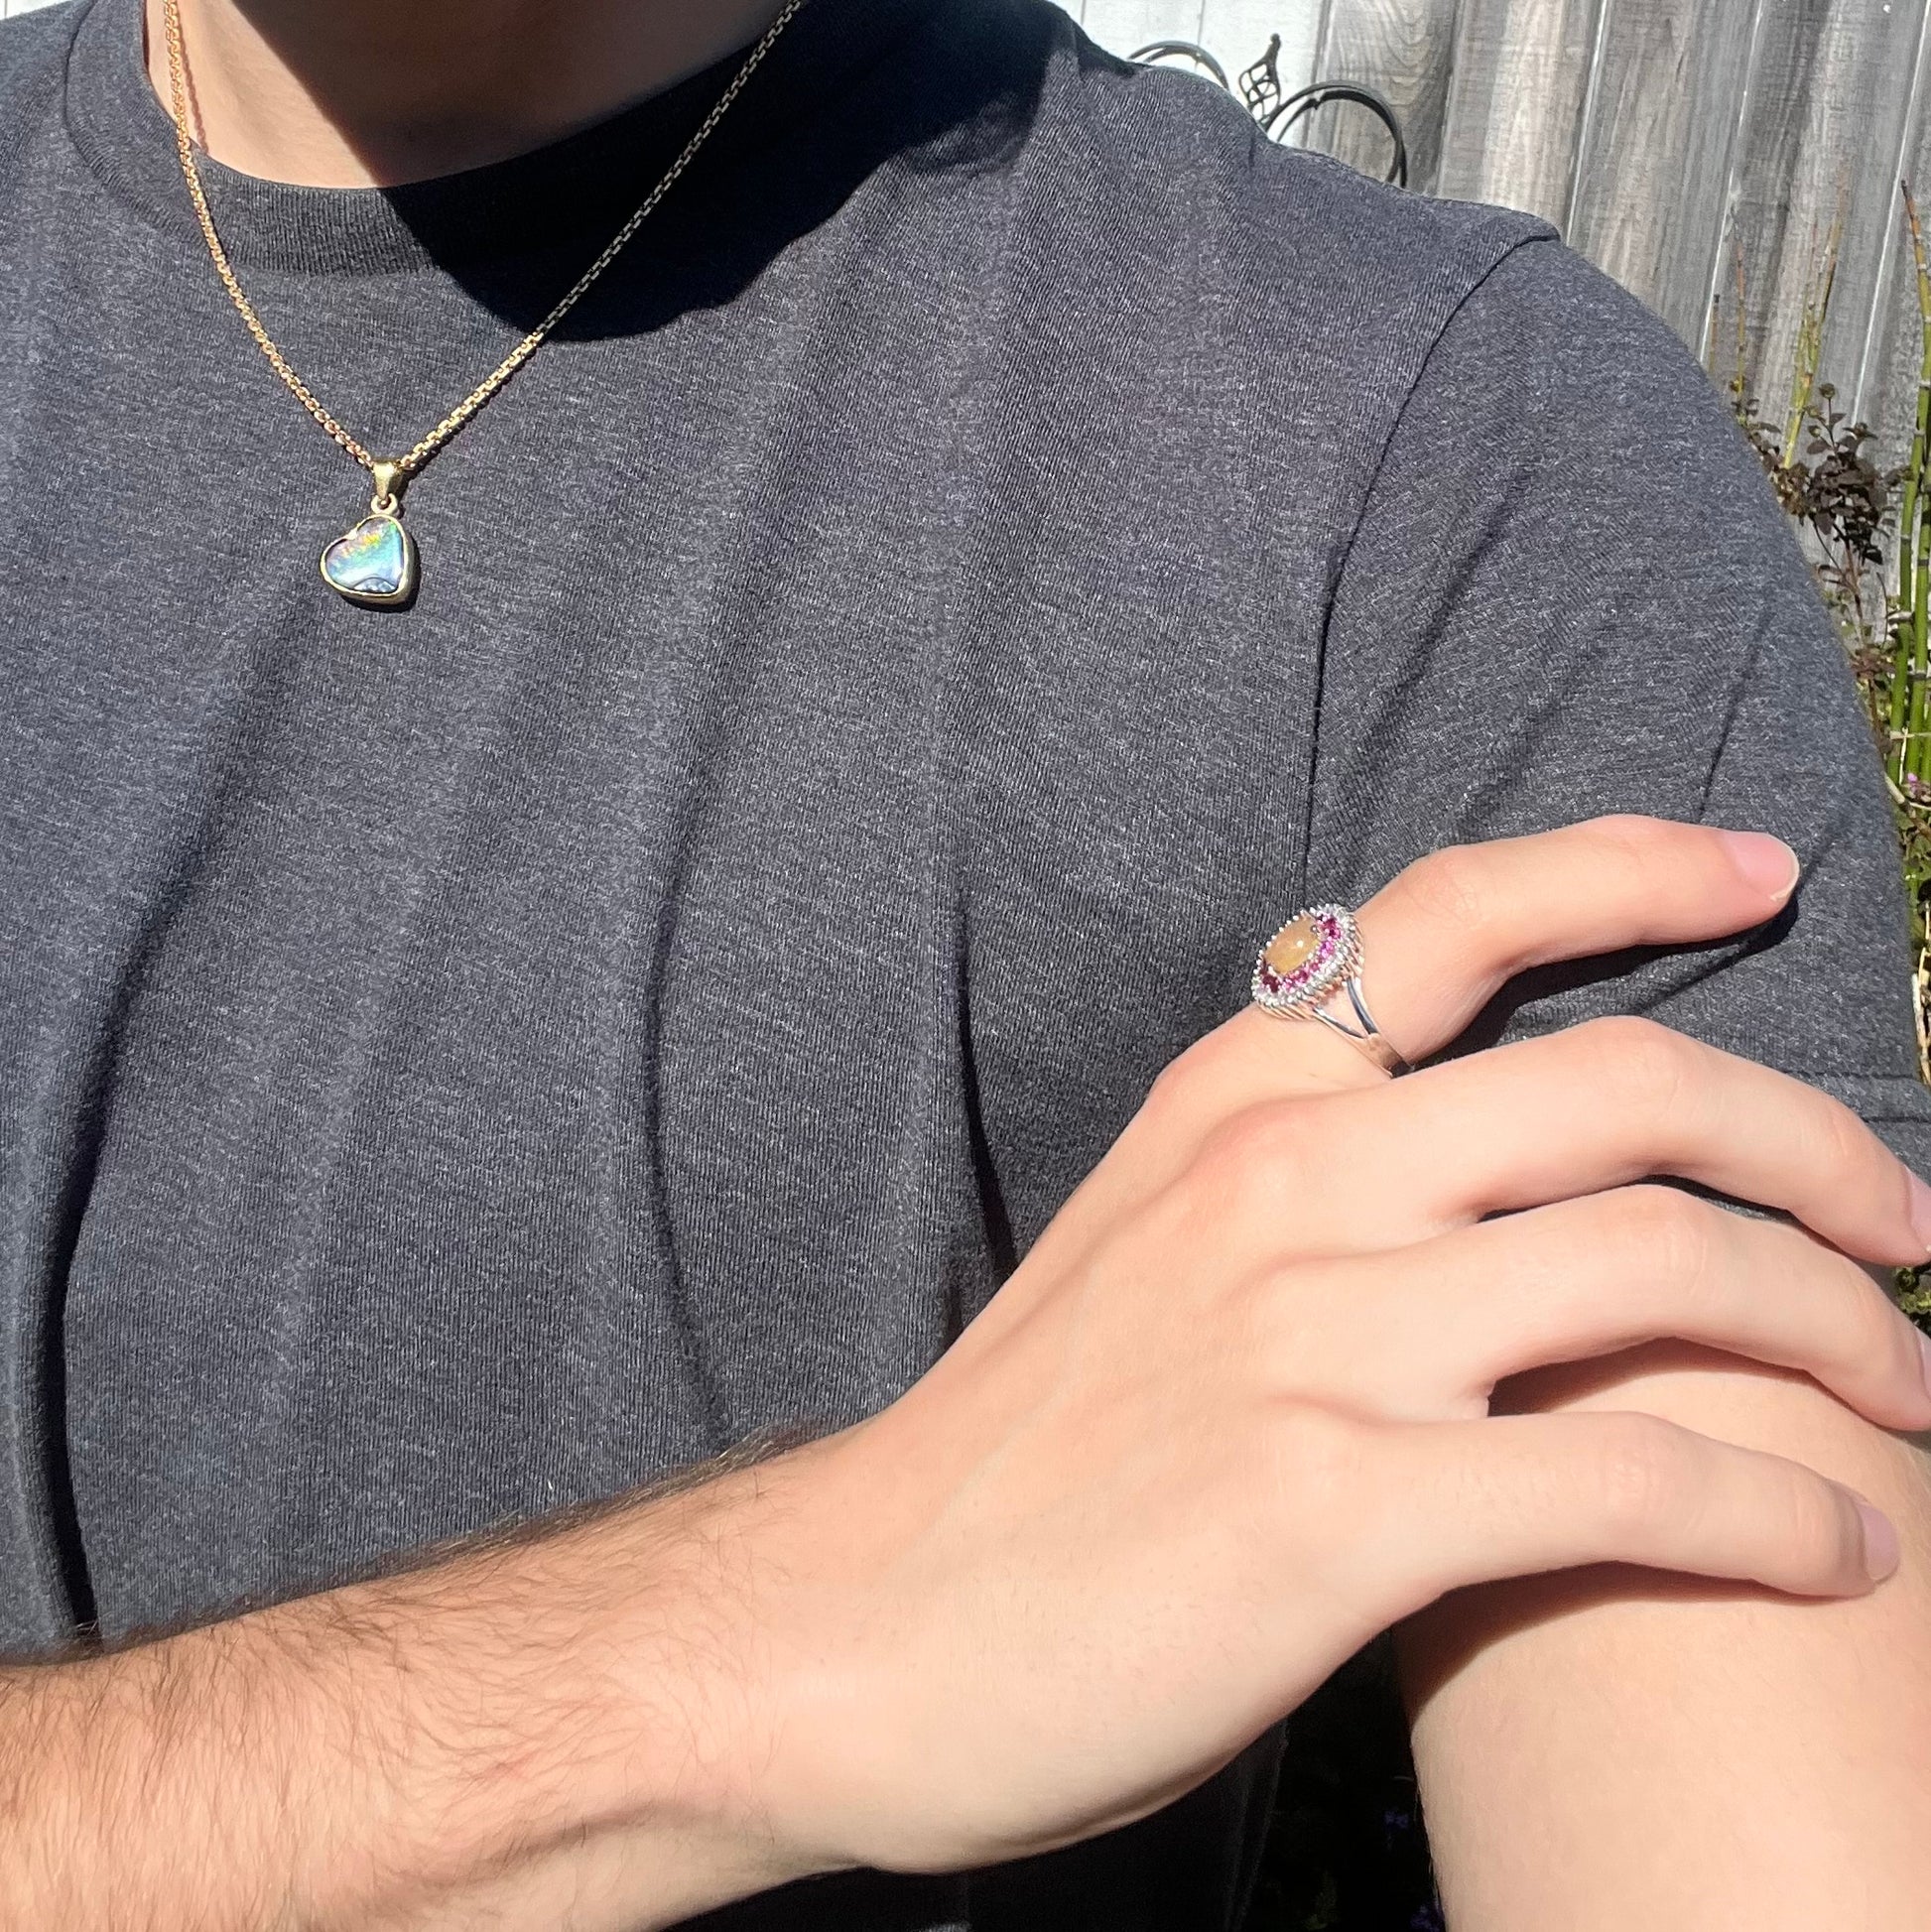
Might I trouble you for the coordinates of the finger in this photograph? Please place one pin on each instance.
(1596, 1107)
(1439, 940)
(1444, 936)
(1465, 1502)
(1588, 1277)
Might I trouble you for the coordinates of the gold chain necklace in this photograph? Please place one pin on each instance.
(375, 561)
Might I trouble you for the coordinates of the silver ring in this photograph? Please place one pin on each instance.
(1315, 956)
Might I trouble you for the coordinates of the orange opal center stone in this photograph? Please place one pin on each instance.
(1292, 947)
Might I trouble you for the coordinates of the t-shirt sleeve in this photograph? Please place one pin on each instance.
(1570, 592)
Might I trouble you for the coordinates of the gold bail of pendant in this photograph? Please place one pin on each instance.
(390, 479)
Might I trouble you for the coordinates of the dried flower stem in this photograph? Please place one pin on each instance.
(1911, 602)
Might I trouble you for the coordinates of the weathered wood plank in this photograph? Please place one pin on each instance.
(1666, 96)
(1884, 391)
(1785, 218)
(1815, 171)
(1403, 49)
(1514, 110)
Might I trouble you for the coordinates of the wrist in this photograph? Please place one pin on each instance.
(565, 1723)
(578, 1721)
(759, 1662)
(583, 1720)
(719, 1596)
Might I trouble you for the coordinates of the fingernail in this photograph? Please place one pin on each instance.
(1879, 1543)
(1766, 862)
(1921, 1211)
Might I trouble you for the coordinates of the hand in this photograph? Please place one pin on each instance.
(1229, 1418)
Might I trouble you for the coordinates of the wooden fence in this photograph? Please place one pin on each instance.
(1687, 146)
(1682, 144)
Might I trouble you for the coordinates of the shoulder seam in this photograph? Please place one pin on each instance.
(1399, 413)
(1539, 236)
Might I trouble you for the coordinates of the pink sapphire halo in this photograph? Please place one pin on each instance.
(1307, 962)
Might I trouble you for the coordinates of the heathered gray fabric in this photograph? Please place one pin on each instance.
(1002, 537)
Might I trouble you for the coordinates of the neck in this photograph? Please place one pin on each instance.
(369, 93)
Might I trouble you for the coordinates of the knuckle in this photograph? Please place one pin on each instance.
(1454, 886)
(1840, 1143)
(1201, 1083)
(1631, 832)
(1256, 1153)
(1642, 1472)
(1872, 1331)
(1822, 1525)
(1637, 1062)
(1320, 1459)
(1665, 1233)
(1182, 1082)
(1629, 841)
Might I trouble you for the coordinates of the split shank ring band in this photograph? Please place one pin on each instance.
(1315, 956)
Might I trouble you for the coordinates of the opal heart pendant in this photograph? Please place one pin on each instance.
(374, 562)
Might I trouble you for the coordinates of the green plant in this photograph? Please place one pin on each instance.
(1909, 604)
(1868, 533)
(1853, 515)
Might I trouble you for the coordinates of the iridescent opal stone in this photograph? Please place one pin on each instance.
(375, 563)
(1304, 959)
(1293, 946)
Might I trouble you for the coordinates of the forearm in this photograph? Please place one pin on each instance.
(516, 1732)
(1612, 1747)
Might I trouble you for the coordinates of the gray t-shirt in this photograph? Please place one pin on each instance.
(1002, 537)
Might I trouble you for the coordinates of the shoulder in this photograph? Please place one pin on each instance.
(1157, 233)
(1561, 334)
(1170, 153)
(33, 68)
(34, 48)
(1551, 382)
